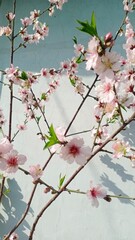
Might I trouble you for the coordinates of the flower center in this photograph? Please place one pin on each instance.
(107, 87)
(74, 150)
(12, 161)
(93, 192)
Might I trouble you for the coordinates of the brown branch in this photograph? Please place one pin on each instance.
(76, 173)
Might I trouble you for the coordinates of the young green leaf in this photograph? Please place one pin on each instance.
(61, 180)
(75, 39)
(52, 138)
(72, 82)
(24, 76)
(87, 27)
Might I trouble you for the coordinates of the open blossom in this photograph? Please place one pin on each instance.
(120, 148)
(94, 193)
(105, 91)
(34, 14)
(79, 48)
(58, 3)
(75, 151)
(11, 161)
(107, 65)
(35, 171)
(26, 21)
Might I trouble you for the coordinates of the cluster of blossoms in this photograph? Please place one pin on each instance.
(71, 150)
(56, 3)
(128, 5)
(7, 30)
(70, 67)
(40, 30)
(100, 134)
(9, 158)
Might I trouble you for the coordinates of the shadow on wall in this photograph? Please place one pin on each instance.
(118, 167)
(11, 209)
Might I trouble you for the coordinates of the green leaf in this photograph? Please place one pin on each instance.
(61, 180)
(79, 59)
(24, 76)
(43, 96)
(75, 39)
(52, 138)
(72, 82)
(38, 119)
(93, 20)
(87, 27)
(123, 107)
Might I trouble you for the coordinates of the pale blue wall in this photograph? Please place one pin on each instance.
(71, 217)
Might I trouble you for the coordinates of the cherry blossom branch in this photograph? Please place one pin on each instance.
(11, 62)
(2, 188)
(99, 124)
(11, 94)
(81, 104)
(120, 29)
(81, 132)
(132, 118)
(40, 109)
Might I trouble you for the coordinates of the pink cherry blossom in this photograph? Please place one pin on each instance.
(128, 5)
(109, 64)
(10, 16)
(58, 3)
(101, 134)
(75, 151)
(94, 193)
(35, 171)
(92, 54)
(26, 21)
(120, 148)
(21, 127)
(79, 48)
(105, 91)
(5, 146)
(7, 31)
(34, 14)
(13, 160)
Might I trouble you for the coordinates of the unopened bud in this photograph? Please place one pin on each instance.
(46, 190)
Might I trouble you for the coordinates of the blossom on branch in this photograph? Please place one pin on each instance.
(75, 151)
(120, 148)
(96, 192)
(35, 171)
